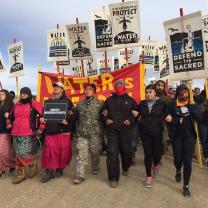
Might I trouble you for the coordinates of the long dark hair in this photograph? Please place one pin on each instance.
(8, 102)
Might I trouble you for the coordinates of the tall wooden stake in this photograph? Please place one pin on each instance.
(82, 63)
(198, 146)
(106, 61)
(17, 79)
(126, 53)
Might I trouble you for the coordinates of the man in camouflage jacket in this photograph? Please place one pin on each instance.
(88, 133)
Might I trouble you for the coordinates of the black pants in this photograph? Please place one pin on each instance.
(118, 141)
(152, 145)
(183, 148)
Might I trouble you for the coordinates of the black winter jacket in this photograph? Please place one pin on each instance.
(187, 128)
(119, 109)
(151, 123)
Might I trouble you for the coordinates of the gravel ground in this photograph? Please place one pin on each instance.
(96, 193)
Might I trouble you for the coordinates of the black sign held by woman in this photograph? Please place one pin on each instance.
(55, 112)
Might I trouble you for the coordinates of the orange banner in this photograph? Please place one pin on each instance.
(74, 86)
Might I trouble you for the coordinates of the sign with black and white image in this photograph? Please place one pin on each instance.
(16, 63)
(125, 24)
(2, 66)
(103, 29)
(79, 41)
(186, 47)
(57, 45)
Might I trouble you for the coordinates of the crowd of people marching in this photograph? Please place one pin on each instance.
(115, 126)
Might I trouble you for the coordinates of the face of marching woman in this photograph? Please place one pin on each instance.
(57, 91)
(2, 96)
(150, 94)
(24, 96)
(89, 92)
(183, 95)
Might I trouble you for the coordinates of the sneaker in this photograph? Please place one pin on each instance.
(113, 184)
(2, 174)
(155, 171)
(78, 180)
(186, 192)
(148, 182)
(178, 176)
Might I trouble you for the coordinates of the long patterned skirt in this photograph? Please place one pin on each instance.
(23, 150)
(7, 159)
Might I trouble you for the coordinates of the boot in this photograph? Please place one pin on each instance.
(48, 176)
(19, 176)
(59, 173)
(33, 170)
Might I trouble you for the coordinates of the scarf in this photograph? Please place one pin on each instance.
(25, 101)
(182, 103)
(150, 103)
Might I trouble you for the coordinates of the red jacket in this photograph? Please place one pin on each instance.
(23, 118)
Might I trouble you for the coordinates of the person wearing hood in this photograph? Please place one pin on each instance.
(160, 87)
(22, 122)
(152, 112)
(88, 133)
(181, 116)
(118, 121)
(57, 152)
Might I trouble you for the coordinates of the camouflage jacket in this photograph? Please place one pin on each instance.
(89, 124)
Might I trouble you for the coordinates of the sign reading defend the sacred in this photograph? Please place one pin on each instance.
(79, 41)
(16, 66)
(125, 24)
(57, 45)
(103, 29)
(186, 48)
(54, 112)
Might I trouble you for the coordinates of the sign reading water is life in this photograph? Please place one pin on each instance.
(55, 112)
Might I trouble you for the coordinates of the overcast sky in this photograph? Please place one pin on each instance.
(28, 21)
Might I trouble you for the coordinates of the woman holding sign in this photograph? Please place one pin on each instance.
(58, 123)
(182, 133)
